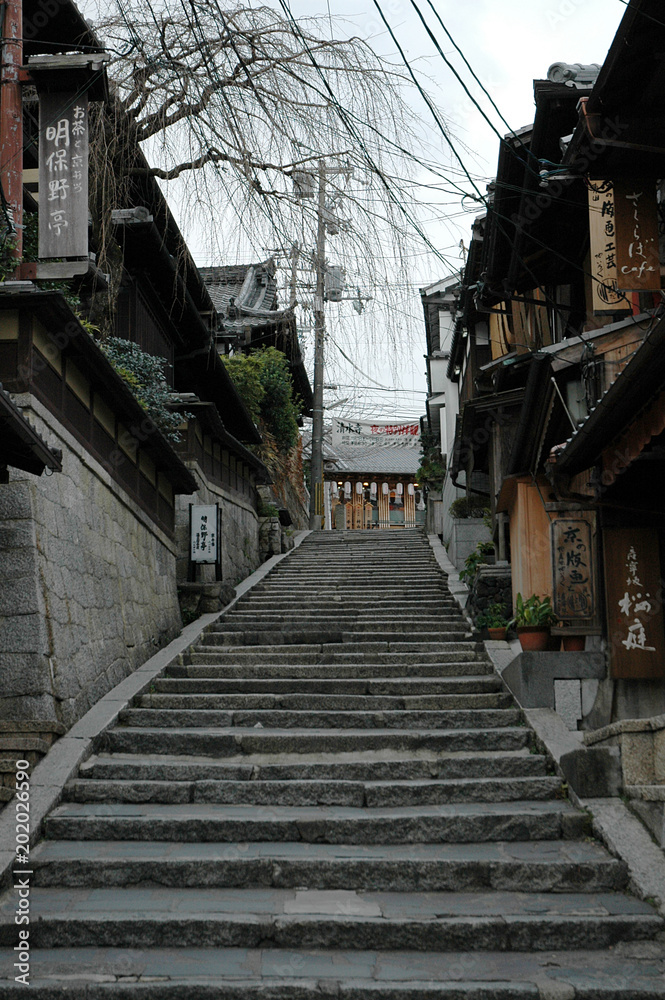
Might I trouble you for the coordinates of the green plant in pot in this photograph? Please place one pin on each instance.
(532, 620)
(494, 620)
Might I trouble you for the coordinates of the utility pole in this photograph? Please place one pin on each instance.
(11, 121)
(316, 490)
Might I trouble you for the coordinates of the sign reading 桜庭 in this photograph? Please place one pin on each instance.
(634, 603)
(572, 565)
(204, 533)
(606, 296)
(63, 175)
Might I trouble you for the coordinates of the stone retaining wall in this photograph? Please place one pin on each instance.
(240, 531)
(87, 584)
(492, 585)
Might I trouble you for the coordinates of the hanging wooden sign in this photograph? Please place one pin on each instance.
(606, 295)
(634, 603)
(63, 175)
(636, 218)
(572, 569)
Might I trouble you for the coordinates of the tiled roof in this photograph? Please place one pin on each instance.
(397, 460)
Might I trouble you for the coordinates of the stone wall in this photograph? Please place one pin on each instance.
(240, 531)
(87, 584)
(465, 535)
(492, 585)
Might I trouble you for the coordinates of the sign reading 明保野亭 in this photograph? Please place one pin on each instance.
(63, 175)
(204, 533)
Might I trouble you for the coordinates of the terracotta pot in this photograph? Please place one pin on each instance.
(533, 638)
(572, 643)
(497, 633)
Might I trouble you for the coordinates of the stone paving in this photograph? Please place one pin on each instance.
(330, 794)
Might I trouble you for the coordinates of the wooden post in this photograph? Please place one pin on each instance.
(11, 121)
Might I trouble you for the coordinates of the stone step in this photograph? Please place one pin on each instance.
(173, 718)
(365, 766)
(299, 603)
(225, 742)
(515, 866)
(450, 652)
(266, 636)
(332, 622)
(361, 648)
(276, 624)
(203, 822)
(326, 702)
(206, 665)
(374, 687)
(339, 919)
(374, 794)
(629, 972)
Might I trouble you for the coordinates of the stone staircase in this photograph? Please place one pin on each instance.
(330, 795)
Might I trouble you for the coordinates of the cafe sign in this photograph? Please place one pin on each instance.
(636, 217)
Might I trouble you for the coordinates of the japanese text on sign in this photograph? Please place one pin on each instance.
(638, 259)
(63, 176)
(204, 540)
(602, 232)
(634, 606)
(365, 434)
(573, 569)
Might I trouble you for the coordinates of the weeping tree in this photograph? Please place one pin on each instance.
(243, 107)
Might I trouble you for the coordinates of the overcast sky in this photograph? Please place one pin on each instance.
(508, 44)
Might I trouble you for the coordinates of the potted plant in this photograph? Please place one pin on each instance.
(572, 641)
(494, 620)
(532, 620)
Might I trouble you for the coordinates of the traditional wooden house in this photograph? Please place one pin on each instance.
(245, 297)
(91, 555)
(558, 359)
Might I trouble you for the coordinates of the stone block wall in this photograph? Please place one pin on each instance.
(87, 584)
(240, 531)
(465, 535)
(492, 585)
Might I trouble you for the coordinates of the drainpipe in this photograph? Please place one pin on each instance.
(11, 121)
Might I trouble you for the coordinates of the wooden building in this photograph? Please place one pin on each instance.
(557, 355)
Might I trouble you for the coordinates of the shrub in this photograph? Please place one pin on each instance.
(474, 559)
(264, 383)
(145, 375)
(477, 506)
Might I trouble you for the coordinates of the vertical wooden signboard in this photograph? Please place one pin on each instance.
(638, 262)
(572, 569)
(606, 295)
(63, 175)
(634, 603)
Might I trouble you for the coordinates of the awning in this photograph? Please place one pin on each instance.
(21, 447)
(631, 394)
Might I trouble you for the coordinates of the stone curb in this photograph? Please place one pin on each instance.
(613, 823)
(68, 753)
